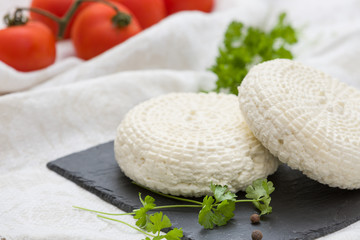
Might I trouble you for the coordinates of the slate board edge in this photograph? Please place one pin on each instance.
(97, 191)
(322, 232)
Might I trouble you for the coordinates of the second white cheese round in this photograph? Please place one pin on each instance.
(306, 118)
(181, 142)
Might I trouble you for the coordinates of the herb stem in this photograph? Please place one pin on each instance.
(169, 196)
(176, 206)
(180, 199)
(127, 224)
(113, 214)
(246, 200)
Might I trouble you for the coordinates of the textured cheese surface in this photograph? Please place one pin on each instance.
(181, 142)
(306, 118)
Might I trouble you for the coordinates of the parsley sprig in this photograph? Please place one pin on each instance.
(216, 210)
(261, 190)
(244, 47)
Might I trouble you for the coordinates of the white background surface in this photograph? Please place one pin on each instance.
(74, 105)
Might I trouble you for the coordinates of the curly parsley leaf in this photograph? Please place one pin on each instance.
(245, 47)
(260, 190)
(141, 214)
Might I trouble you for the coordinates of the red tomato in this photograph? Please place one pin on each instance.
(58, 8)
(27, 47)
(93, 31)
(173, 6)
(148, 12)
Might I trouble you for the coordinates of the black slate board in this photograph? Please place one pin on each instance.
(302, 208)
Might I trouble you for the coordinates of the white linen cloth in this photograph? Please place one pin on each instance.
(74, 105)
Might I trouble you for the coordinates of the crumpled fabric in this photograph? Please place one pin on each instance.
(75, 104)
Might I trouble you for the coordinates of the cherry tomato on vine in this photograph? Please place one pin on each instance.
(173, 6)
(148, 12)
(57, 7)
(27, 47)
(95, 29)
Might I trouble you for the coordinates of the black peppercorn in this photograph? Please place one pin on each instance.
(255, 218)
(256, 235)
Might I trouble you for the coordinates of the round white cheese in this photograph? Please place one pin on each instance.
(181, 142)
(306, 118)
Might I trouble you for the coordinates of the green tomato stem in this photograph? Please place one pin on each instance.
(40, 11)
(17, 19)
(127, 224)
(113, 214)
(120, 19)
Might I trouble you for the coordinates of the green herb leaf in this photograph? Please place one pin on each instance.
(158, 221)
(175, 234)
(222, 193)
(206, 215)
(141, 214)
(224, 212)
(245, 47)
(158, 238)
(260, 190)
(217, 211)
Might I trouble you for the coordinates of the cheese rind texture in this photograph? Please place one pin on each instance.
(179, 143)
(306, 118)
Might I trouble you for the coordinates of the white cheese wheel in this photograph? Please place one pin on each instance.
(306, 118)
(181, 142)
